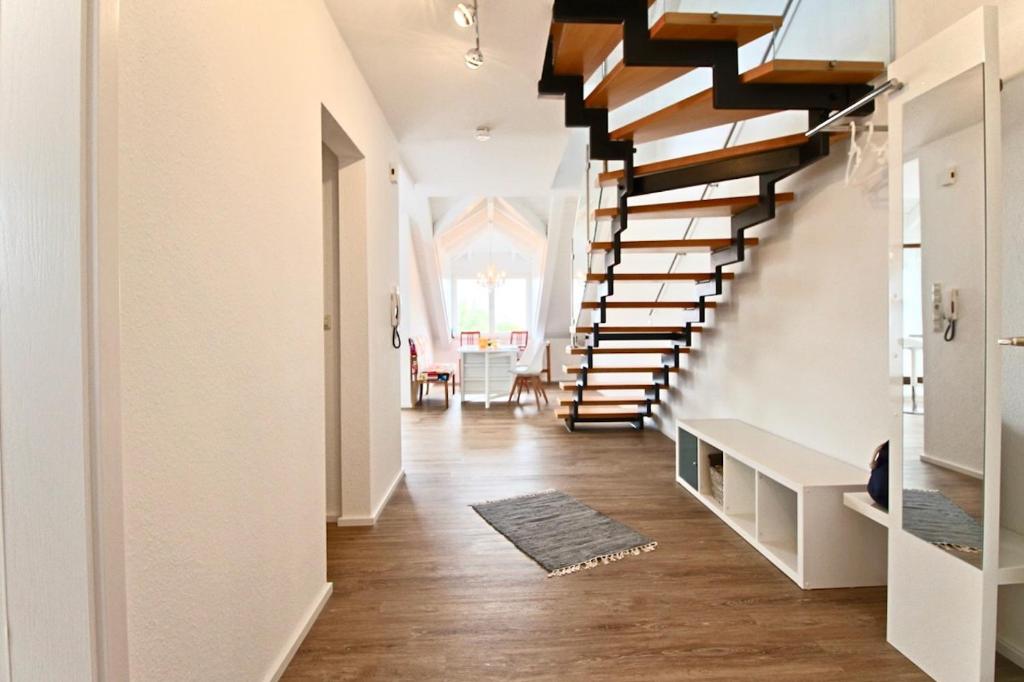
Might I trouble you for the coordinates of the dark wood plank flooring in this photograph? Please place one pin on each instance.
(433, 593)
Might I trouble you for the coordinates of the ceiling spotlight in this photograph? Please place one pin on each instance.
(464, 15)
(474, 58)
(482, 134)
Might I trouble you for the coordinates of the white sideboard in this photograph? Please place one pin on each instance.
(786, 500)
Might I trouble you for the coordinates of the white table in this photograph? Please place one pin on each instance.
(914, 344)
(487, 371)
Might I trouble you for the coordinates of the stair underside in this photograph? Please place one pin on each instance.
(672, 245)
(594, 305)
(569, 386)
(723, 207)
(624, 83)
(637, 330)
(611, 178)
(698, 112)
(659, 276)
(605, 350)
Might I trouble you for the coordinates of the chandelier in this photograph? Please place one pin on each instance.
(491, 278)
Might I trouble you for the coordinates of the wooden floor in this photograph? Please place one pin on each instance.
(433, 593)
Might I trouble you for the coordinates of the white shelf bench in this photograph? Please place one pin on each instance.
(786, 500)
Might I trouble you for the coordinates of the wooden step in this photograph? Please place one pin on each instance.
(579, 49)
(601, 413)
(630, 369)
(725, 207)
(625, 83)
(569, 386)
(594, 305)
(658, 276)
(672, 245)
(611, 178)
(605, 350)
(698, 112)
(608, 401)
(638, 330)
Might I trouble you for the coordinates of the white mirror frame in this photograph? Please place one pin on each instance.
(942, 610)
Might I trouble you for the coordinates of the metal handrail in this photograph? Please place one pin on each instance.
(892, 85)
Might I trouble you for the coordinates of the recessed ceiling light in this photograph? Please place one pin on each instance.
(474, 58)
(482, 134)
(464, 15)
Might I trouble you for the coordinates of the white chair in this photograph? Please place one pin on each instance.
(527, 374)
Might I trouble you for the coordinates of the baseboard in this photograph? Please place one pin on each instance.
(945, 464)
(332, 518)
(312, 613)
(351, 521)
(1011, 650)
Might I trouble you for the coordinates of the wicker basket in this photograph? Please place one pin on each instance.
(716, 476)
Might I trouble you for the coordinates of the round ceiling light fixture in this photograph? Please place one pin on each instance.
(474, 58)
(482, 134)
(464, 15)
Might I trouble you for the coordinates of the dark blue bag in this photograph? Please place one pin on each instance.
(878, 483)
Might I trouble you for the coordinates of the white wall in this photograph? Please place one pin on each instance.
(798, 343)
(953, 254)
(918, 20)
(221, 239)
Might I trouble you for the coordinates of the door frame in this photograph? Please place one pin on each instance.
(63, 294)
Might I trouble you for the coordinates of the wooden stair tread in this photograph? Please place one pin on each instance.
(594, 305)
(627, 369)
(659, 276)
(608, 401)
(698, 112)
(569, 386)
(624, 83)
(603, 350)
(637, 330)
(611, 178)
(599, 412)
(655, 245)
(723, 207)
(578, 49)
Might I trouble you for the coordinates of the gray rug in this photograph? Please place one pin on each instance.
(561, 533)
(935, 518)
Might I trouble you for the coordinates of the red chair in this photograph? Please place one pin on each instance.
(469, 338)
(520, 340)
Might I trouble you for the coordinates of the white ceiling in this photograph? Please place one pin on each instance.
(411, 53)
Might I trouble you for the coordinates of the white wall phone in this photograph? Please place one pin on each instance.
(396, 316)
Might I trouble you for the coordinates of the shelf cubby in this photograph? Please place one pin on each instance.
(786, 500)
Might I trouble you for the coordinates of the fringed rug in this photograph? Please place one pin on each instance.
(561, 533)
(935, 518)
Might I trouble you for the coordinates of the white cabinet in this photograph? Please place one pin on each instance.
(786, 500)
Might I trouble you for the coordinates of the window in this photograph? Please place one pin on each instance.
(510, 306)
(474, 305)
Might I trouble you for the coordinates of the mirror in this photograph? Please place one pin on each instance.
(943, 337)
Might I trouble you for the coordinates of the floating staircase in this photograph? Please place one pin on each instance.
(583, 35)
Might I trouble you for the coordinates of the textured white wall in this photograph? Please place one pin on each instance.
(918, 20)
(953, 254)
(221, 240)
(798, 345)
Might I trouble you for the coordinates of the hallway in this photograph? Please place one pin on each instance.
(433, 593)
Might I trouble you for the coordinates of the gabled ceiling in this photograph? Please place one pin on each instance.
(411, 53)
